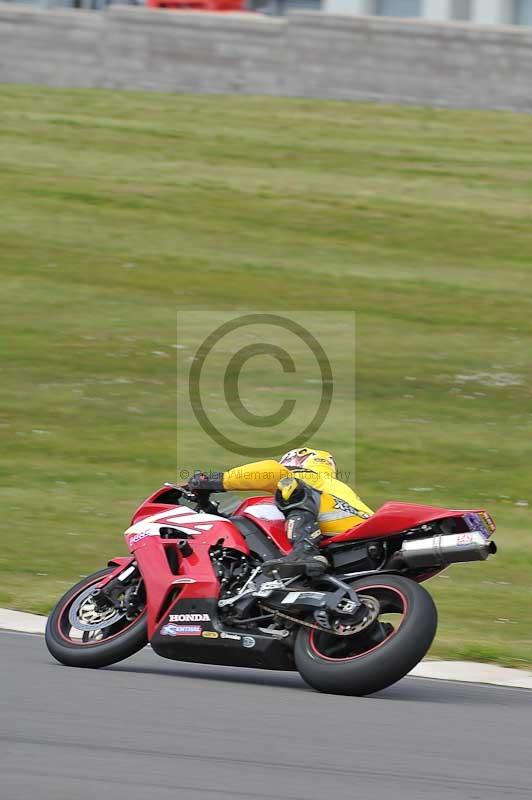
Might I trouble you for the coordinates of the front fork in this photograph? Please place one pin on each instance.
(120, 589)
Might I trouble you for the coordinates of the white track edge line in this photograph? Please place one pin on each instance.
(460, 671)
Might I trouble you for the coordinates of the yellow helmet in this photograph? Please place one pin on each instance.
(306, 459)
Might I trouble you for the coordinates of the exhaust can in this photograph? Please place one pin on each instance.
(447, 549)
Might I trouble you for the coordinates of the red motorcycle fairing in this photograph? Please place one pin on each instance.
(264, 513)
(189, 577)
(394, 517)
(261, 510)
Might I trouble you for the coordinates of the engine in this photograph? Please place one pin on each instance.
(233, 569)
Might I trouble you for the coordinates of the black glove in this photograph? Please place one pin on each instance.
(200, 483)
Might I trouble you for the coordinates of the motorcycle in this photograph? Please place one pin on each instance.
(194, 588)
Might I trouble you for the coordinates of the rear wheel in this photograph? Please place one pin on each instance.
(81, 632)
(381, 654)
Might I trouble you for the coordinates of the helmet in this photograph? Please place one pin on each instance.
(306, 459)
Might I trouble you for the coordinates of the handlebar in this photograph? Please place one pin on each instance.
(202, 500)
(182, 491)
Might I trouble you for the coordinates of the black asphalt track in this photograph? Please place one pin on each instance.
(149, 729)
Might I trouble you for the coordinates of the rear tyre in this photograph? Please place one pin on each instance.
(79, 634)
(379, 656)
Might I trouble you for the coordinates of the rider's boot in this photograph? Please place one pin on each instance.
(300, 504)
(305, 558)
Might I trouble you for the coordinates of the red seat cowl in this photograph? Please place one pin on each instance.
(394, 517)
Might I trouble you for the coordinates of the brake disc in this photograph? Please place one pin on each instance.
(84, 615)
(373, 608)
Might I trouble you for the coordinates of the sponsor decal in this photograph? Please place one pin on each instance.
(464, 539)
(342, 509)
(234, 636)
(138, 536)
(210, 635)
(481, 523)
(189, 618)
(181, 630)
(311, 595)
(248, 641)
(488, 520)
(293, 597)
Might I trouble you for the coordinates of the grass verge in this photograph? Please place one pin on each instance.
(119, 208)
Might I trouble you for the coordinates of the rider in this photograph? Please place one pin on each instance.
(314, 503)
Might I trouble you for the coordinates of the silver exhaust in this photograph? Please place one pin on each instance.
(446, 549)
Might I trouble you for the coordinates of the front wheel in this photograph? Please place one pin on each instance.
(83, 633)
(381, 654)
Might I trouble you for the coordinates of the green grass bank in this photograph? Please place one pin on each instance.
(119, 208)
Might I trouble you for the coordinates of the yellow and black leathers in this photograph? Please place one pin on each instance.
(340, 508)
(300, 504)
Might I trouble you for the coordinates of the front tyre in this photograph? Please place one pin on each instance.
(80, 633)
(382, 654)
